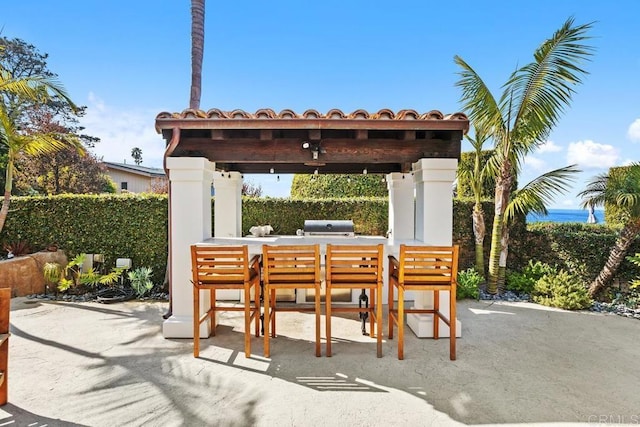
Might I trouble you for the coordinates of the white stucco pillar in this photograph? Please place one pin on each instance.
(434, 226)
(401, 207)
(228, 204)
(227, 215)
(190, 215)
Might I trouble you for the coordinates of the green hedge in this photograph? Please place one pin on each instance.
(338, 186)
(369, 215)
(135, 226)
(131, 226)
(579, 248)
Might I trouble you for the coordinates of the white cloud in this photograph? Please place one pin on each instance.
(634, 131)
(121, 130)
(588, 154)
(534, 163)
(549, 147)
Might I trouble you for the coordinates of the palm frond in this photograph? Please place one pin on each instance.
(621, 189)
(36, 88)
(477, 101)
(545, 87)
(595, 192)
(536, 195)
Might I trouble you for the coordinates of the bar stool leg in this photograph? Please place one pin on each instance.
(266, 322)
(328, 318)
(400, 322)
(317, 310)
(196, 321)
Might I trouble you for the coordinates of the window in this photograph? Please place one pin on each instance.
(123, 186)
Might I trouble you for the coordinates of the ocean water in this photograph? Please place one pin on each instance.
(566, 215)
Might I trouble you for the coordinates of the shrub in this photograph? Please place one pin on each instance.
(562, 290)
(140, 280)
(525, 281)
(469, 282)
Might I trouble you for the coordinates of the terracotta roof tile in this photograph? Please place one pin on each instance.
(268, 113)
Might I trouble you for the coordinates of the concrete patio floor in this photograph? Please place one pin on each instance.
(108, 365)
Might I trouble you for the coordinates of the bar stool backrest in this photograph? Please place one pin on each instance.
(428, 264)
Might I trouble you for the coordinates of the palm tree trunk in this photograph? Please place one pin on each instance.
(8, 185)
(502, 264)
(616, 256)
(494, 254)
(197, 52)
(479, 233)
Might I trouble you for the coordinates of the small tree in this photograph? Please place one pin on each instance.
(136, 153)
(621, 190)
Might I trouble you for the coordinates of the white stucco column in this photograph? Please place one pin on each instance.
(434, 226)
(228, 204)
(190, 215)
(401, 206)
(227, 215)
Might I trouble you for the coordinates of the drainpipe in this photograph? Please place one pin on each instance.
(173, 143)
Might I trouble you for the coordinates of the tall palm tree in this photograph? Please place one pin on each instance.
(623, 191)
(38, 89)
(531, 103)
(197, 52)
(477, 174)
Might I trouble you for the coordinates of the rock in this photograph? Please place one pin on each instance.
(24, 274)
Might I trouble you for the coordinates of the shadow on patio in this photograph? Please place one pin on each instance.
(109, 365)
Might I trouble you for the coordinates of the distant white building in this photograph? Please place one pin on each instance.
(134, 178)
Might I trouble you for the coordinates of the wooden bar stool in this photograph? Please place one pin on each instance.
(225, 267)
(356, 267)
(424, 268)
(289, 267)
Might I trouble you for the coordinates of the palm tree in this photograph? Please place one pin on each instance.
(16, 142)
(476, 175)
(532, 101)
(621, 190)
(197, 52)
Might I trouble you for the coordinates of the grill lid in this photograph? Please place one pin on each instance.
(328, 227)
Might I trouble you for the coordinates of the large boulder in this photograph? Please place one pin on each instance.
(24, 274)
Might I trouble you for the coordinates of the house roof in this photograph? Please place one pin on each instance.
(136, 169)
(334, 142)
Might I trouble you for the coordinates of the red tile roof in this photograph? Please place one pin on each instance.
(268, 113)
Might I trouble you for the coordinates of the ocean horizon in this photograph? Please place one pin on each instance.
(566, 215)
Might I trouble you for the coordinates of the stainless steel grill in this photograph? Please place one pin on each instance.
(321, 227)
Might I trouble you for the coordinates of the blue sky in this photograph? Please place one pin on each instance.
(129, 60)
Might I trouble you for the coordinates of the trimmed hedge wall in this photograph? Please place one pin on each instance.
(135, 226)
(118, 226)
(579, 248)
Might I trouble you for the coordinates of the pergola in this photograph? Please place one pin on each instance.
(418, 153)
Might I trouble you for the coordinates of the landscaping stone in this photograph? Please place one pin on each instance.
(24, 274)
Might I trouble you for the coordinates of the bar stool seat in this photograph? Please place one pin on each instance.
(424, 268)
(356, 267)
(225, 267)
(290, 267)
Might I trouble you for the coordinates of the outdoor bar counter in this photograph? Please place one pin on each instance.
(255, 248)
